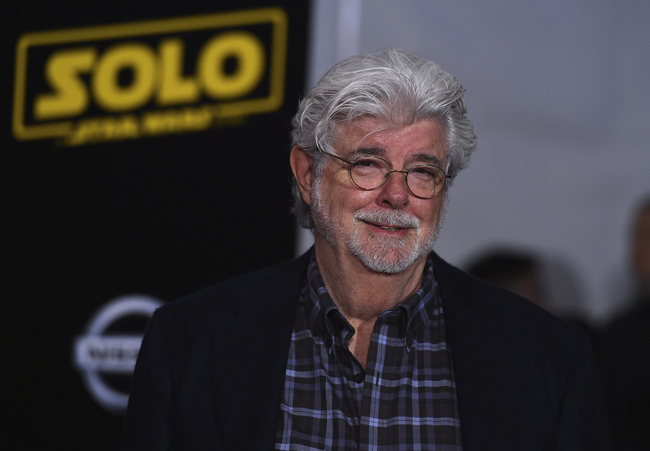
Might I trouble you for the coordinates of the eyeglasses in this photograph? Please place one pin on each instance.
(369, 173)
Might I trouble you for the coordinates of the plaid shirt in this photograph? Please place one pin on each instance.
(404, 400)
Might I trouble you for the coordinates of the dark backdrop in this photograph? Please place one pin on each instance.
(160, 216)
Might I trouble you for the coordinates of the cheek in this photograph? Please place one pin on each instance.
(433, 212)
(350, 199)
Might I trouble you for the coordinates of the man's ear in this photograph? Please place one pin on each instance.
(303, 170)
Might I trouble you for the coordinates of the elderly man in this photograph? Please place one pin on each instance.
(369, 340)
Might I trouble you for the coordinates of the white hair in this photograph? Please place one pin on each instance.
(397, 86)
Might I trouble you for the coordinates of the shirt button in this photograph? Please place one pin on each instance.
(409, 342)
(359, 377)
(328, 342)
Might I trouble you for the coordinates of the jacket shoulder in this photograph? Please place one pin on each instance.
(222, 301)
(514, 316)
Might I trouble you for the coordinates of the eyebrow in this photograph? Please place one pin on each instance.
(422, 158)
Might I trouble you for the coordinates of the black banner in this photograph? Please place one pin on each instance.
(145, 156)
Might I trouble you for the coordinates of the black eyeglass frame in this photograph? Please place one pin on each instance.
(390, 172)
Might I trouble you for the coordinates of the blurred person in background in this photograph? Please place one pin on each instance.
(515, 270)
(521, 272)
(624, 348)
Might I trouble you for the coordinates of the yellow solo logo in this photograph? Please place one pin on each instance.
(133, 80)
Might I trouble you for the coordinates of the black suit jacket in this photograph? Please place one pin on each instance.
(210, 372)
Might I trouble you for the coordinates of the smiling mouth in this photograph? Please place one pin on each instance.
(390, 229)
(392, 222)
(385, 227)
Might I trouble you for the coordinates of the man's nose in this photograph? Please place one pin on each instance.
(395, 192)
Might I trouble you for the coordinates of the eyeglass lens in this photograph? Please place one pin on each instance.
(371, 173)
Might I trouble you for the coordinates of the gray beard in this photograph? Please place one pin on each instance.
(382, 254)
(390, 255)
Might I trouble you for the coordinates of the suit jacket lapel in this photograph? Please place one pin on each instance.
(487, 368)
(249, 358)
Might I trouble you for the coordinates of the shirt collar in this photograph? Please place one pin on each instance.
(325, 319)
(421, 306)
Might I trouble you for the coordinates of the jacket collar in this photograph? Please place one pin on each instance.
(486, 364)
(251, 372)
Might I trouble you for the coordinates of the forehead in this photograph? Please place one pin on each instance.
(426, 136)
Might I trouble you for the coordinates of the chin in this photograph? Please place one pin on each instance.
(388, 261)
(390, 255)
(384, 267)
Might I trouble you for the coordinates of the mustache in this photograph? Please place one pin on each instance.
(391, 218)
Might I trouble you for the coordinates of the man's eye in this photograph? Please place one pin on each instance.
(367, 164)
(422, 173)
